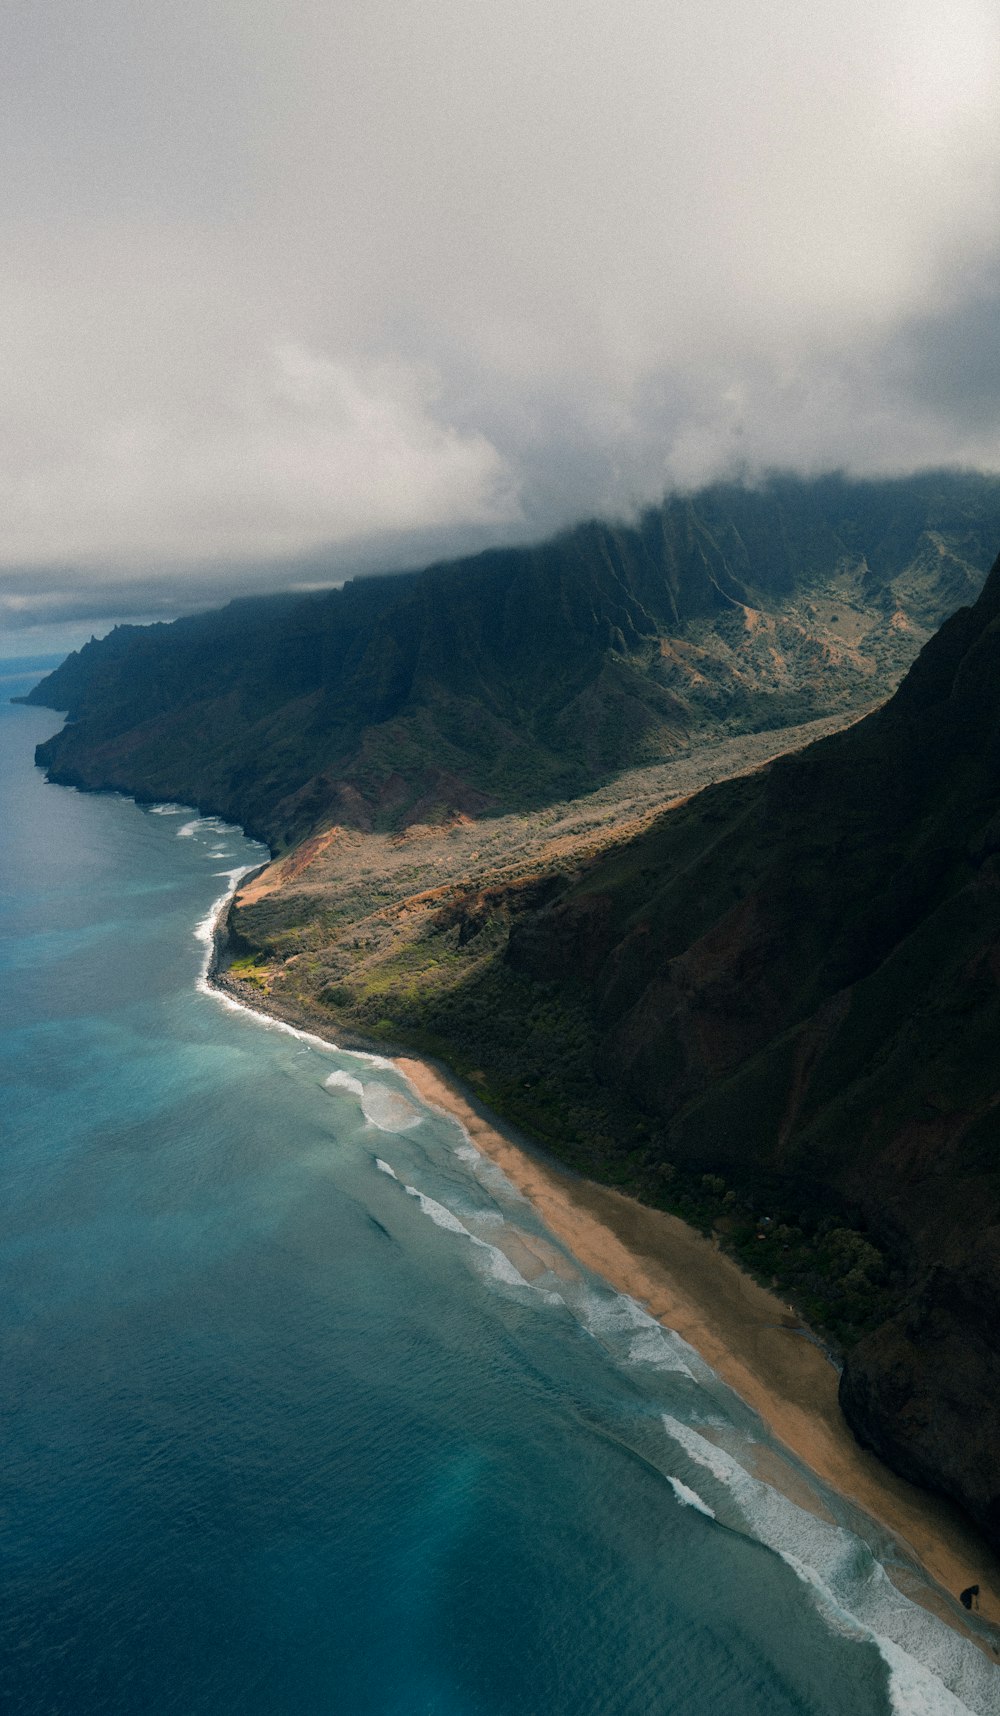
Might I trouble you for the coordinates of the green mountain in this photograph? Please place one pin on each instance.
(782, 1000)
(774, 1007)
(523, 675)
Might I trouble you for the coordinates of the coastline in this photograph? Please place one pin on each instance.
(682, 1278)
(746, 1334)
(752, 1340)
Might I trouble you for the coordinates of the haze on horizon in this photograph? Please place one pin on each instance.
(295, 291)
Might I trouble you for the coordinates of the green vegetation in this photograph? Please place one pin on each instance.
(531, 1050)
(527, 675)
(774, 1010)
(248, 970)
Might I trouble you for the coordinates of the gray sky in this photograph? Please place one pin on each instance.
(292, 287)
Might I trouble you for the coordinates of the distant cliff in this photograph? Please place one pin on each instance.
(526, 674)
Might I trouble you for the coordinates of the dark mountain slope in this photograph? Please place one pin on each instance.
(527, 674)
(781, 1000)
(799, 974)
(791, 984)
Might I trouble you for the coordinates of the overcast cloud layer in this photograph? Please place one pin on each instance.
(292, 287)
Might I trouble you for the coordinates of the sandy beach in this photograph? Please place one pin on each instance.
(754, 1342)
(751, 1338)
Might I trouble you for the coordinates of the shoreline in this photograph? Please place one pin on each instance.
(745, 1333)
(742, 1331)
(753, 1341)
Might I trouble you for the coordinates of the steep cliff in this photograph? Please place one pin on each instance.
(776, 1008)
(777, 1005)
(799, 974)
(527, 674)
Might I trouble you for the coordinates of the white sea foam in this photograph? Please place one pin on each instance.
(915, 1691)
(204, 932)
(689, 1498)
(344, 1081)
(656, 1347)
(204, 929)
(932, 1670)
(618, 1321)
(439, 1214)
(387, 1109)
(167, 809)
(488, 1173)
(493, 1180)
(468, 1151)
(202, 825)
(705, 1453)
(495, 1262)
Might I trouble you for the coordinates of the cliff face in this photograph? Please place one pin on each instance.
(783, 995)
(799, 973)
(922, 1390)
(530, 674)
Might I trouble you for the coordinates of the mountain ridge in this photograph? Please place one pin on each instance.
(798, 976)
(524, 674)
(773, 1007)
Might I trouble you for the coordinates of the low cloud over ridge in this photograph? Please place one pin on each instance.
(290, 291)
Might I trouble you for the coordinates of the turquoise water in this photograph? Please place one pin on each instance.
(285, 1428)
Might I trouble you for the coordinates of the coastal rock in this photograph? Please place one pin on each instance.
(922, 1391)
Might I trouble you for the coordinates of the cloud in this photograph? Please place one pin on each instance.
(328, 282)
(281, 453)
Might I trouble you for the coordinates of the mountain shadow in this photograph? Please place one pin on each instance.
(798, 975)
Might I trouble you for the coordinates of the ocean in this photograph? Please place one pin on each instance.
(285, 1428)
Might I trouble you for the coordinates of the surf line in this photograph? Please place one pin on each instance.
(901, 1661)
(208, 931)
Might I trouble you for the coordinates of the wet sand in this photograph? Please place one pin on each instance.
(757, 1345)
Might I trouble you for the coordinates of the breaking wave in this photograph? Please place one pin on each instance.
(932, 1672)
(489, 1258)
(689, 1498)
(631, 1334)
(340, 1081)
(387, 1109)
